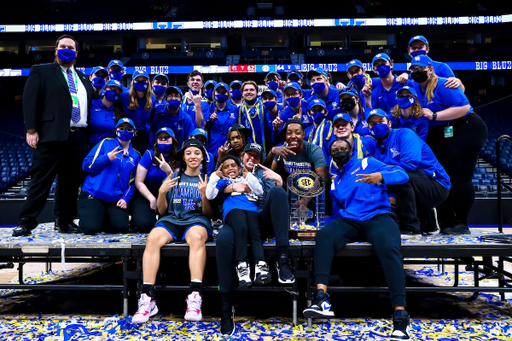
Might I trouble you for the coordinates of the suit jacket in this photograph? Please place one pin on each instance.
(47, 103)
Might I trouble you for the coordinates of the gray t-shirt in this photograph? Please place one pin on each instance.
(310, 158)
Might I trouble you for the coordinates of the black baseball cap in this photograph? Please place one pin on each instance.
(256, 147)
(187, 144)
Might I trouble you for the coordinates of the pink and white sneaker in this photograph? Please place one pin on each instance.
(147, 308)
(194, 301)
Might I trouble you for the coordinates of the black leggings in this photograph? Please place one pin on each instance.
(275, 216)
(246, 224)
(458, 155)
(381, 231)
(143, 216)
(97, 215)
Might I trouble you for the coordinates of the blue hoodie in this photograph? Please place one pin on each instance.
(110, 180)
(218, 129)
(181, 124)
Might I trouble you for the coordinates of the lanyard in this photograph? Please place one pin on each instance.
(319, 133)
(257, 113)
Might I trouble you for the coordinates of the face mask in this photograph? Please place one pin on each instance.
(348, 104)
(269, 105)
(318, 117)
(318, 87)
(293, 101)
(358, 80)
(173, 104)
(272, 85)
(379, 130)
(110, 95)
(115, 75)
(159, 90)
(164, 148)
(418, 53)
(140, 86)
(209, 95)
(221, 98)
(98, 82)
(341, 158)
(383, 71)
(419, 76)
(66, 55)
(194, 92)
(236, 94)
(405, 102)
(125, 135)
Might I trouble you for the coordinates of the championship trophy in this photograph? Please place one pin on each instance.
(307, 205)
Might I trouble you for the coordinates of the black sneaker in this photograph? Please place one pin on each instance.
(321, 306)
(261, 274)
(284, 271)
(457, 230)
(400, 326)
(227, 322)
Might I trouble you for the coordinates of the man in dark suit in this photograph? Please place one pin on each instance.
(56, 108)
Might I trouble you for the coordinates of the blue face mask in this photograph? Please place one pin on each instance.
(379, 130)
(405, 102)
(418, 53)
(110, 95)
(115, 75)
(98, 82)
(236, 94)
(173, 104)
(221, 98)
(209, 94)
(165, 148)
(383, 71)
(140, 86)
(125, 135)
(66, 55)
(269, 105)
(318, 117)
(293, 101)
(272, 85)
(358, 81)
(159, 90)
(318, 87)
(194, 92)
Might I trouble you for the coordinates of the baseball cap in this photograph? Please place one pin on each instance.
(256, 147)
(273, 73)
(342, 116)
(113, 82)
(187, 144)
(173, 88)
(199, 131)
(220, 85)
(314, 102)
(355, 62)
(294, 73)
(350, 92)
(166, 130)
(142, 73)
(210, 82)
(318, 70)
(269, 91)
(292, 85)
(420, 38)
(125, 120)
(411, 90)
(382, 56)
(163, 76)
(115, 62)
(235, 82)
(421, 60)
(378, 112)
(98, 68)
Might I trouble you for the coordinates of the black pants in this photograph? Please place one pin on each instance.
(49, 160)
(382, 232)
(140, 142)
(458, 155)
(275, 216)
(415, 198)
(246, 224)
(143, 216)
(97, 215)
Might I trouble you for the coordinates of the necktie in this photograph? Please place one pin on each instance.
(75, 113)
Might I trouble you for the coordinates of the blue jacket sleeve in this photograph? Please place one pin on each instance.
(370, 144)
(97, 158)
(189, 127)
(210, 165)
(336, 205)
(410, 150)
(128, 194)
(393, 175)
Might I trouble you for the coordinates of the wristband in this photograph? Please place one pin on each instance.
(434, 116)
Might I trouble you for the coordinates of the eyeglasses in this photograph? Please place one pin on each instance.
(129, 129)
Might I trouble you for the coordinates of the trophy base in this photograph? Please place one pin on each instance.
(303, 234)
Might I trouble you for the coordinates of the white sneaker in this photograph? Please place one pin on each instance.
(261, 274)
(244, 274)
(147, 308)
(194, 301)
(436, 222)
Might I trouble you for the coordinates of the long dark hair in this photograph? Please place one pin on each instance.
(156, 152)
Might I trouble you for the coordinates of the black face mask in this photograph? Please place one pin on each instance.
(419, 76)
(348, 104)
(341, 158)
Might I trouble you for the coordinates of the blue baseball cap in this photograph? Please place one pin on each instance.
(273, 73)
(382, 56)
(346, 91)
(113, 82)
(318, 70)
(235, 82)
(292, 85)
(163, 76)
(199, 131)
(269, 91)
(125, 120)
(294, 73)
(210, 82)
(166, 130)
(355, 62)
(98, 68)
(421, 60)
(138, 73)
(220, 85)
(173, 88)
(378, 112)
(419, 38)
(115, 62)
(313, 102)
(343, 116)
(411, 90)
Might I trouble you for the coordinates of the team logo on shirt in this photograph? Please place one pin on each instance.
(395, 152)
(232, 115)
(189, 204)
(365, 124)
